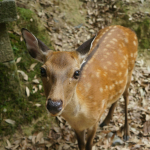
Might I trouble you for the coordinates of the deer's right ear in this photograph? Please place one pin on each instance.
(36, 48)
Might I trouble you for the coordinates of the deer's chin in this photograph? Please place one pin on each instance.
(57, 114)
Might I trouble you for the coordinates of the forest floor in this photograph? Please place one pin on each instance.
(69, 24)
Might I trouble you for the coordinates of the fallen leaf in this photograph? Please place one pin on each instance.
(146, 127)
(34, 89)
(25, 76)
(8, 143)
(10, 121)
(27, 91)
(37, 104)
(18, 60)
(40, 87)
(32, 66)
(38, 137)
(35, 81)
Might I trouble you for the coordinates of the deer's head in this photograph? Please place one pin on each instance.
(60, 71)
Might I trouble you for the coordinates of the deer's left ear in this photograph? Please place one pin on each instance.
(37, 49)
(84, 49)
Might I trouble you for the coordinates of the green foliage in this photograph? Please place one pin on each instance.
(14, 107)
(143, 33)
(141, 25)
(35, 26)
(25, 14)
(141, 28)
(21, 109)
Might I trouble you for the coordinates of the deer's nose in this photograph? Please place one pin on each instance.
(54, 107)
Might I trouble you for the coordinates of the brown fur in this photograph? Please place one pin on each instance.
(105, 76)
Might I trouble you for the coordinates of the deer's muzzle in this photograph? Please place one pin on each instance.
(54, 107)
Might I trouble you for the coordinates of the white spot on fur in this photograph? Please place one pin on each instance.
(114, 39)
(113, 71)
(116, 64)
(97, 74)
(83, 75)
(87, 86)
(110, 87)
(103, 103)
(108, 62)
(135, 37)
(106, 38)
(109, 33)
(105, 74)
(123, 44)
(101, 90)
(126, 40)
(112, 30)
(121, 81)
(134, 43)
(105, 67)
(126, 73)
(125, 57)
(107, 53)
(112, 42)
(106, 87)
(131, 54)
(108, 45)
(127, 33)
(120, 73)
(116, 82)
(90, 97)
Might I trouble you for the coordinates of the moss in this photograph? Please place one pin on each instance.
(141, 28)
(14, 107)
(21, 109)
(35, 26)
(25, 14)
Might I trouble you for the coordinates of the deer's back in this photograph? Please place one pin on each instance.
(104, 75)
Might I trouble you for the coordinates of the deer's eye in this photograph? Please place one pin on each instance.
(76, 74)
(43, 72)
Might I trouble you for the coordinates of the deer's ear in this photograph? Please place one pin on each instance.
(37, 49)
(84, 49)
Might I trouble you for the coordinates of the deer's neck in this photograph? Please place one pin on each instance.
(73, 107)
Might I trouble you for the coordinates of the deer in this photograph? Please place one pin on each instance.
(80, 85)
